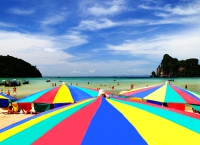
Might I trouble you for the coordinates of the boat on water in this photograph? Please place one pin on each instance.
(2, 82)
(48, 80)
(25, 82)
(170, 79)
(13, 82)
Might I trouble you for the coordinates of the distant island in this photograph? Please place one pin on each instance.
(14, 67)
(172, 67)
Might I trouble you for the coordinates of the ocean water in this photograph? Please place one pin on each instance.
(105, 83)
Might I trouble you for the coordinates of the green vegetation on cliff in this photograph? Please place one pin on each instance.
(14, 67)
(172, 67)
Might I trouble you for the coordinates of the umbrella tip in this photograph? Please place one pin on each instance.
(63, 83)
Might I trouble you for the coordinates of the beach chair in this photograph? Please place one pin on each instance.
(16, 107)
(25, 107)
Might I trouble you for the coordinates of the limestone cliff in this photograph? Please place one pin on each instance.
(172, 67)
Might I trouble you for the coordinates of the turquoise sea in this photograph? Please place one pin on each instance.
(105, 83)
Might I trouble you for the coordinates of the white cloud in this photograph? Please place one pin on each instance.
(6, 25)
(44, 52)
(102, 8)
(108, 8)
(180, 14)
(21, 12)
(102, 68)
(75, 72)
(106, 23)
(160, 14)
(72, 38)
(39, 49)
(91, 71)
(182, 45)
(93, 25)
(54, 19)
(190, 9)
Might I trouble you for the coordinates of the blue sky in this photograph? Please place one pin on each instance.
(99, 37)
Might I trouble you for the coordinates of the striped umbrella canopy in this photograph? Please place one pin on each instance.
(60, 94)
(100, 121)
(164, 93)
(5, 99)
(3, 96)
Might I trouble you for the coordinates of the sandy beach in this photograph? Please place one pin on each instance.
(9, 119)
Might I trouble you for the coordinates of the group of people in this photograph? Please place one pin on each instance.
(132, 85)
(8, 91)
(15, 110)
(195, 111)
(105, 96)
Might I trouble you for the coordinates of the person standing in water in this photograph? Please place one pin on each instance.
(14, 90)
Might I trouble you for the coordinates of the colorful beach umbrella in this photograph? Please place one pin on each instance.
(3, 96)
(55, 97)
(5, 99)
(61, 94)
(166, 92)
(106, 121)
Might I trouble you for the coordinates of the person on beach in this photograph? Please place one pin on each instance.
(105, 96)
(25, 112)
(186, 86)
(164, 104)
(11, 110)
(14, 90)
(132, 85)
(8, 92)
